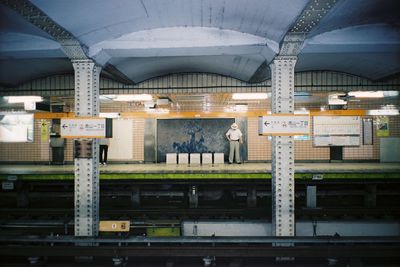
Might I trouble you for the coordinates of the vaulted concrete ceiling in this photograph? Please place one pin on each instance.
(148, 38)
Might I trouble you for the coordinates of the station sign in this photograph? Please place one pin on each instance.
(83, 128)
(284, 124)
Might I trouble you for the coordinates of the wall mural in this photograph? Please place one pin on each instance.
(192, 136)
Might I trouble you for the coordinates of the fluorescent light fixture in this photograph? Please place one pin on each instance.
(23, 99)
(162, 101)
(373, 94)
(390, 93)
(333, 99)
(110, 115)
(249, 96)
(367, 94)
(29, 105)
(229, 109)
(302, 111)
(241, 107)
(302, 94)
(237, 108)
(107, 98)
(382, 112)
(142, 97)
(149, 104)
(158, 110)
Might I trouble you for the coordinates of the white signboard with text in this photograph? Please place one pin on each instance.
(83, 128)
(337, 125)
(285, 124)
(337, 130)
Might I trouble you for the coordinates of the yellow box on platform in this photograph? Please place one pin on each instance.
(114, 226)
(163, 231)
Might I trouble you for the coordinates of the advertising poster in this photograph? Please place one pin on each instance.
(382, 127)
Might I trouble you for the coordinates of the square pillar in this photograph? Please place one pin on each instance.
(86, 195)
(282, 78)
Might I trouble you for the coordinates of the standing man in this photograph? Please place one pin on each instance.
(104, 142)
(234, 136)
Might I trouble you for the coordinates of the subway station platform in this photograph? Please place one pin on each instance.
(218, 171)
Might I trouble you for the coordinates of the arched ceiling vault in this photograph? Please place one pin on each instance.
(148, 38)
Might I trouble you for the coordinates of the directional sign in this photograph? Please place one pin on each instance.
(285, 124)
(83, 128)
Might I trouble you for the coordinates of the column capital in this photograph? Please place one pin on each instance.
(284, 58)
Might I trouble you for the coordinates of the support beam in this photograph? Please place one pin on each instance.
(87, 76)
(282, 82)
(283, 224)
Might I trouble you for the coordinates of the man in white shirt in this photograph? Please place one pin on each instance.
(234, 136)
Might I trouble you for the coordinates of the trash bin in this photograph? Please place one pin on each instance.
(57, 150)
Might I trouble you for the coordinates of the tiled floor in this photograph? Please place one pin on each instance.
(220, 168)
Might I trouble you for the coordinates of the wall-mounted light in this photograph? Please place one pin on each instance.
(249, 96)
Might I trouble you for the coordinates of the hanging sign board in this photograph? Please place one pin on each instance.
(83, 128)
(284, 124)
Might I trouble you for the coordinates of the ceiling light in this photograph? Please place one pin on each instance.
(335, 99)
(109, 115)
(23, 99)
(163, 101)
(249, 96)
(382, 112)
(229, 109)
(373, 94)
(149, 104)
(142, 97)
(367, 94)
(158, 110)
(302, 111)
(390, 93)
(241, 107)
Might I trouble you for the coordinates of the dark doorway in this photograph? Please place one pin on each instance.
(336, 153)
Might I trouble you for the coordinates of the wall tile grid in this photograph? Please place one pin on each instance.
(25, 151)
(138, 139)
(258, 147)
